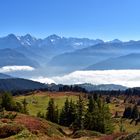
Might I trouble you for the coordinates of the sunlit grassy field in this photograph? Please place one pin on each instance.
(129, 128)
(38, 102)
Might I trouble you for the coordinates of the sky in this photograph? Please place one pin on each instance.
(104, 19)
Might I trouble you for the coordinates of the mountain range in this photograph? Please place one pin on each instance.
(55, 55)
(130, 61)
(104, 87)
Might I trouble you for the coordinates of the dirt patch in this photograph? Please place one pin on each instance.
(113, 136)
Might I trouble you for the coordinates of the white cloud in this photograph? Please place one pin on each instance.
(6, 69)
(129, 78)
(43, 80)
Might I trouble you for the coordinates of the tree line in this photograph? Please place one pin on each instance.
(132, 113)
(7, 103)
(92, 114)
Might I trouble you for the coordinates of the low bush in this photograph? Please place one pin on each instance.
(9, 130)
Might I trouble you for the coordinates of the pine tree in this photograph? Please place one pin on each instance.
(56, 115)
(25, 103)
(107, 120)
(135, 112)
(100, 118)
(72, 112)
(90, 104)
(64, 115)
(7, 101)
(79, 116)
(88, 116)
(67, 115)
(127, 112)
(50, 115)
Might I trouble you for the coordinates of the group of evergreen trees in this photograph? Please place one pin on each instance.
(7, 103)
(131, 113)
(91, 115)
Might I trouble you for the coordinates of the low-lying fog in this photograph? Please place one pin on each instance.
(129, 78)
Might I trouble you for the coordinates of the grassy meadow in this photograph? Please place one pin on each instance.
(39, 101)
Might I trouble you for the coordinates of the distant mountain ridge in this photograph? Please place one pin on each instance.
(130, 61)
(10, 57)
(31, 51)
(13, 41)
(55, 55)
(83, 58)
(15, 84)
(20, 84)
(104, 87)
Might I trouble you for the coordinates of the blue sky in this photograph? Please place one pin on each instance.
(104, 19)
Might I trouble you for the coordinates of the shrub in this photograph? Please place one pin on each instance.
(9, 130)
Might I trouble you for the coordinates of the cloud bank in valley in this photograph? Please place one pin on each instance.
(7, 69)
(129, 78)
(43, 80)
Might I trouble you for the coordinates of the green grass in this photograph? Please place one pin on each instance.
(38, 103)
(129, 128)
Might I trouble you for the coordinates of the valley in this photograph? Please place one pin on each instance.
(69, 70)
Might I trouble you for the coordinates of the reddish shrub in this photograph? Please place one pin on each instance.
(9, 130)
(33, 124)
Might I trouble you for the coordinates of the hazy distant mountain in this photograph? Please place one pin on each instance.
(90, 87)
(12, 57)
(13, 84)
(116, 41)
(130, 61)
(82, 58)
(27, 40)
(67, 43)
(13, 41)
(10, 41)
(61, 55)
(42, 50)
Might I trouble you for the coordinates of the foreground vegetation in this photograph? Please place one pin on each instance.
(68, 115)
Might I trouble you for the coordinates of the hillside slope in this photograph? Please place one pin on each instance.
(14, 84)
(25, 127)
(4, 76)
(130, 61)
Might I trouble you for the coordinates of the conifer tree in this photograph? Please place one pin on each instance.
(64, 115)
(56, 115)
(88, 115)
(67, 115)
(7, 101)
(127, 112)
(72, 112)
(79, 118)
(50, 115)
(25, 103)
(135, 112)
(99, 119)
